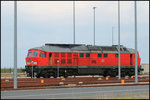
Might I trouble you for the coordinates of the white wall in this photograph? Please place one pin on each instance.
(146, 68)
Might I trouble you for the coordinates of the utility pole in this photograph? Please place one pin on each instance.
(94, 24)
(119, 72)
(74, 21)
(15, 44)
(136, 69)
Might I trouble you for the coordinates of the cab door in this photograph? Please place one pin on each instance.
(75, 59)
(50, 59)
(131, 59)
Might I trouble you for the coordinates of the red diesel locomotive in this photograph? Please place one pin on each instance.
(80, 59)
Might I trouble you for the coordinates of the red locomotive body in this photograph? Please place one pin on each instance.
(80, 60)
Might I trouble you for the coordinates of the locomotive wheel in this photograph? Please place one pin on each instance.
(38, 76)
(31, 75)
(65, 75)
(105, 74)
(113, 74)
(122, 74)
(54, 75)
(46, 75)
(130, 74)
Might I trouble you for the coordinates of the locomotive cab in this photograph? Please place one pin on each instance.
(32, 58)
(36, 58)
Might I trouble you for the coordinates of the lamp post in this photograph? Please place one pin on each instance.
(94, 24)
(58, 68)
(136, 69)
(15, 44)
(74, 21)
(119, 72)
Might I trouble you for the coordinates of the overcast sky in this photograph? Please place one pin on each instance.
(41, 22)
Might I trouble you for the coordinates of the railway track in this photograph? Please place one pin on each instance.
(31, 83)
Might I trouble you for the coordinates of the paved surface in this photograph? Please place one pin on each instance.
(64, 93)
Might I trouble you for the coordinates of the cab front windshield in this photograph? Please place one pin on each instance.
(29, 54)
(35, 53)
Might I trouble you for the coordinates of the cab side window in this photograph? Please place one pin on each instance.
(81, 55)
(87, 55)
(42, 54)
(116, 55)
(99, 55)
(105, 55)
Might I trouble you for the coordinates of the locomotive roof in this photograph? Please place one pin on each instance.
(83, 48)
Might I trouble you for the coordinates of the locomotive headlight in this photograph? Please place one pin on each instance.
(28, 63)
(34, 62)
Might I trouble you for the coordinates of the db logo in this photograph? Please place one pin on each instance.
(102, 60)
